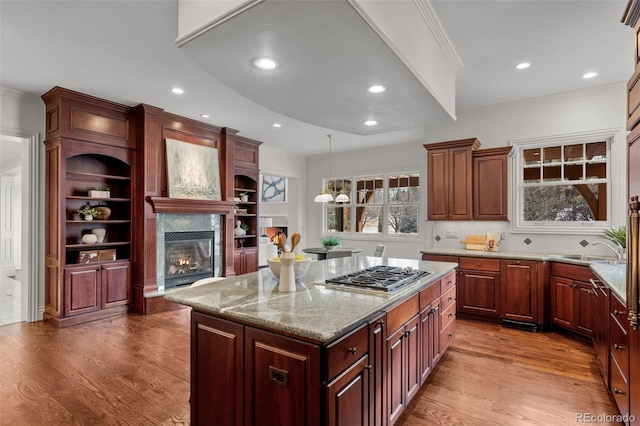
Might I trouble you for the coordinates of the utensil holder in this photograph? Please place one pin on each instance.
(287, 276)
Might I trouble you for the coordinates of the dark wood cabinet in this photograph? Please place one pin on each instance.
(378, 377)
(619, 354)
(246, 194)
(449, 179)
(347, 396)
(429, 338)
(519, 291)
(479, 286)
(490, 184)
(217, 354)
(573, 298)
(601, 328)
(90, 144)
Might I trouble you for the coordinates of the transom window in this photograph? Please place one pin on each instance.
(385, 204)
(563, 182)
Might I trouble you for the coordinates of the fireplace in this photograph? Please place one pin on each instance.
(188, 257)
(189, 248)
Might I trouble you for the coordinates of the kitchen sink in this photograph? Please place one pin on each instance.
(587, 258)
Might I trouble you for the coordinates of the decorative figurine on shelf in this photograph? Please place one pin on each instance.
(239, 231)
(88, 212)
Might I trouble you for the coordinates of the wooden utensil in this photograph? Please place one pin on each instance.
(295, 239)
(282, 241)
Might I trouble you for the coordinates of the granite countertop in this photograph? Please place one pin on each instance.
(614, 276)
(575, 259)
(316, 311)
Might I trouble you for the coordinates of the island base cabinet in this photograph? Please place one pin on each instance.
(404, 367)
(216, 371)
(347, 396)
(282, 385)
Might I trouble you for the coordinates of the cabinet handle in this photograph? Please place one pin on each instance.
(450, 314)
(593, 283)
(618, 391)
(380, 323)
(450, 335)
(617, 312)
(617, 346)
(517, 262)
(449, 282)
(591, 292)
(478, 264)
(353, 350)
(450, 299)
(368, 366)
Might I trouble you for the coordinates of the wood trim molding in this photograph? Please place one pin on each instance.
(185, 205)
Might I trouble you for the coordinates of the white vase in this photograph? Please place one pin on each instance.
(89, 239)
(238, 231)
(99, 233)
(88, 217)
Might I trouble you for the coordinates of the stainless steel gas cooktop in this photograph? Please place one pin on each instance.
(383, 278)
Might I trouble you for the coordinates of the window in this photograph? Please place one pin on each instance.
(385, 204)
(563, 183)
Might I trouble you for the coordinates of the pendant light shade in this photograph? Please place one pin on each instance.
(325, 195)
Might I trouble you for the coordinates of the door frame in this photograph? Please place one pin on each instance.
(32, 233)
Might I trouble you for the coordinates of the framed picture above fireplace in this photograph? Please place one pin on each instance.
(193, 171)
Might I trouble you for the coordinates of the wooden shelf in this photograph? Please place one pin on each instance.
(85, 175)
(93, 246)
(87, 198)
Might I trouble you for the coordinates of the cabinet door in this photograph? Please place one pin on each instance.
(562, 302)
(250, 260)
(377, 378)
(281, 380)
(438, 184)
(116, 284)
(518, 290)
(460, 180)
(586, 308)
(348, 396)
(412, 342)
(479, 292)
(429, 339)
(601, 331)
(82, 290)
(395, 373)
(216, 371)
(238, 262)
(490, 185)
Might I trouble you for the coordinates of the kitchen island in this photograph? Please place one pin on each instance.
(324, 354)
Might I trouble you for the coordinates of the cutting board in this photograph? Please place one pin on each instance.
(475, 242)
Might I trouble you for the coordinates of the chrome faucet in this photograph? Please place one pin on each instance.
(619, 251)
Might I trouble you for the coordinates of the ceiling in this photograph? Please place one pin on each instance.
(126, 51)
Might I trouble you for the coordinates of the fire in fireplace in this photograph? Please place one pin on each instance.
(188, 257)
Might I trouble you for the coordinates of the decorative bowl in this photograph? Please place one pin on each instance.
(300, 267)
(327, 247)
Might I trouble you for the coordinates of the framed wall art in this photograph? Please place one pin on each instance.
(274, 189)
(192, 171)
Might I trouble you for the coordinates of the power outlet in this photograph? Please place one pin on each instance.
(451, 234)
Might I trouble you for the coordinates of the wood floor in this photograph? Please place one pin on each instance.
(134, 370)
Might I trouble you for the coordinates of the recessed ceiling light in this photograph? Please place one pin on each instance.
(377, 88)
(370, 123)
(523, 65)
(205, 115)
(277, 125)
(177, 91)
(590, 74)
(265, 64)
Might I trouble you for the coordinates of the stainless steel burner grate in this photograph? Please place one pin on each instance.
(383, 278)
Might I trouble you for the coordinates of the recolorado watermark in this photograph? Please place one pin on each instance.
(604, 418)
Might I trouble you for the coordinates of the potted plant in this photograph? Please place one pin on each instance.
(244, 197)
(618, 236)
(245, 227)
(88, 212)
(330, 242)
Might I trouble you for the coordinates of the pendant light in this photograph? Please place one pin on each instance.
(326, 194)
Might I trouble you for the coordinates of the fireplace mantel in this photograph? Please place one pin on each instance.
(187, 205)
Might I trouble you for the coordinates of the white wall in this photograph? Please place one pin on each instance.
(587, 110)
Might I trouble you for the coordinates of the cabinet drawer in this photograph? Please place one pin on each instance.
(448, 298)
(619, 388)
(346, 351)
(403, 312)
(448, 281)
(447, 315)
(619, 313)
(429, 294)
(480, 264)
(447, 335)
(619, 346)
